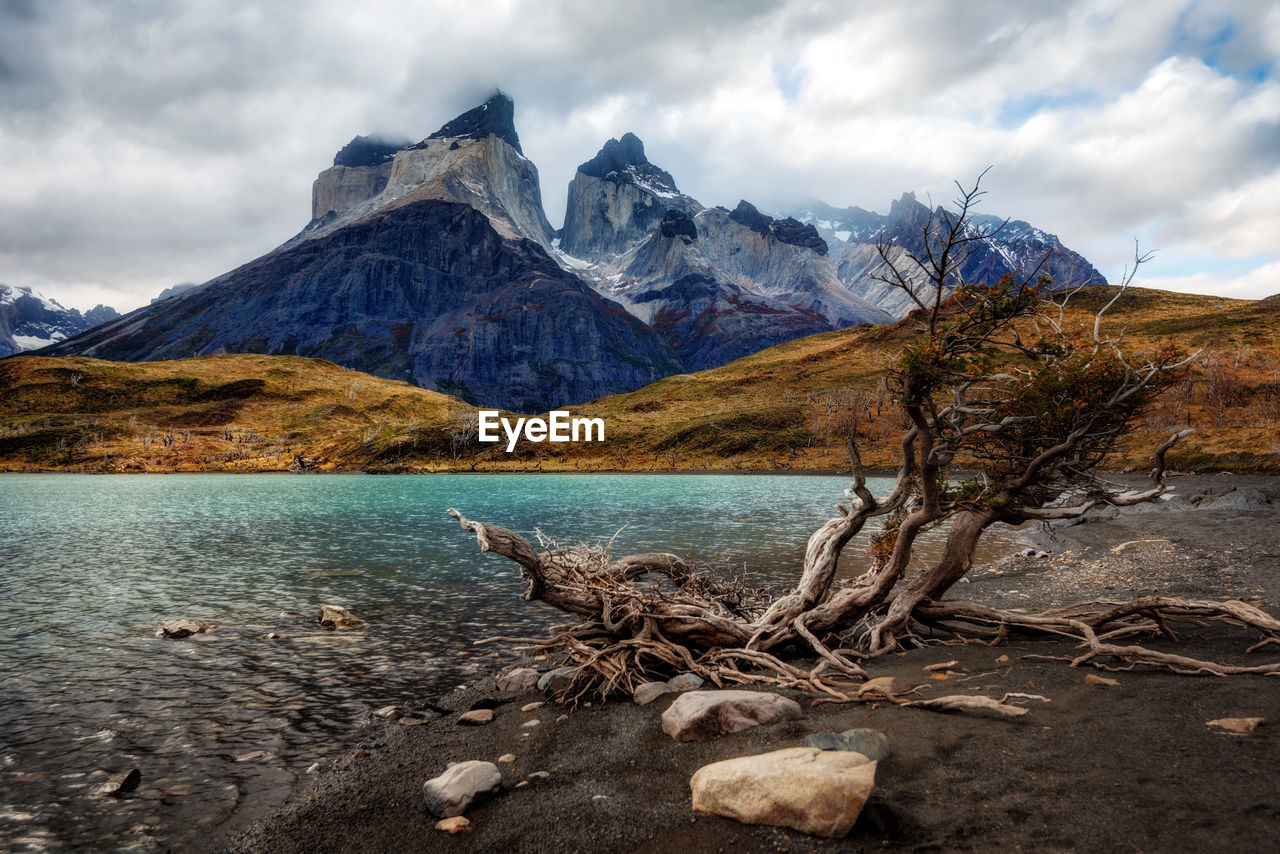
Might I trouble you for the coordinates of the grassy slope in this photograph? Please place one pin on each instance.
(220, 413)
(785, 407)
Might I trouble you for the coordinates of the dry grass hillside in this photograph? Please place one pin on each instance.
(787, 407)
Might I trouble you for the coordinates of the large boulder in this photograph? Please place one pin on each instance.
(458, 787)
(815, 791)
(706, 714)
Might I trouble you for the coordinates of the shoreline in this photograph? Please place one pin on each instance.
(953, 782)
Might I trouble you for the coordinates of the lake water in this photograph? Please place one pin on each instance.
(223, 725)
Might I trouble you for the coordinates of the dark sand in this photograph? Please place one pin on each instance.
(1129, 768)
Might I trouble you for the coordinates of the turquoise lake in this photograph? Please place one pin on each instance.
(223, 725)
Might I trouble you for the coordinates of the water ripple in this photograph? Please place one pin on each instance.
(223, 724)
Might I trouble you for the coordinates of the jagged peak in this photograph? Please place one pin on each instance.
(623, 161)
(495, 117)
(787, 230)
(371, 150)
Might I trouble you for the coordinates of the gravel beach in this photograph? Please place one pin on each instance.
(1127, 767)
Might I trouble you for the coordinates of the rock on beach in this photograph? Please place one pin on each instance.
(458, 787)
(706, 714)
(821, 792)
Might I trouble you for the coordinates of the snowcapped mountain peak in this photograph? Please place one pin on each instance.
(30, 320)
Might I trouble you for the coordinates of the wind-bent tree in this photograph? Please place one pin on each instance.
(996, 379)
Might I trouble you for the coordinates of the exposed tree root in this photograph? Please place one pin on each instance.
(631, 632)
(995, 377)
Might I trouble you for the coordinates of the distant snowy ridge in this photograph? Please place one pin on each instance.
(30, 320)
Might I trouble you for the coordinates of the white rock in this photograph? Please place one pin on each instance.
(815, 791)
(453, 791)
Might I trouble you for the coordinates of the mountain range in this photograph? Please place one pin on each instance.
(434, 262)
(30, 320)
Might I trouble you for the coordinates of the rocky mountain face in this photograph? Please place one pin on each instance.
(717, 288)
(474, 160)
(30, 320)
(616, 199)
(852, 234)
(434, 262)
(716, 284)
(428, 292)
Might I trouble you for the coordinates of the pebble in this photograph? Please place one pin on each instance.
(562, 718)
(121, 784)
(1244, 726)
(529, 707)
(539, 775)
(389, 713)
(507, 757)
(476, 717)
(533, 722)
(456, 824)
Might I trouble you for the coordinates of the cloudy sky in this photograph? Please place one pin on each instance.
(148, 143)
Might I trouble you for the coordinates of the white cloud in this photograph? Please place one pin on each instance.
(1260, 282)
(154, 143)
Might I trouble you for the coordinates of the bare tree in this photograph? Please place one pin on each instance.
(997, 378)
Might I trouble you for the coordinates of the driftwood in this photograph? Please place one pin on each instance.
(995, 377)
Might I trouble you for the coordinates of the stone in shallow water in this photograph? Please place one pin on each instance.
(457, 788)
(178, 629)
(121, 784)
(816, 791)
(869, 742)
(337, 617)
(707, 714)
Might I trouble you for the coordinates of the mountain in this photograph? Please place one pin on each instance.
(474, 159)
(786, 407)
(617, 199)
(716, 284)
(721, 284)
(852, 234)
(439, 275)
(434, 262)
(30, 320)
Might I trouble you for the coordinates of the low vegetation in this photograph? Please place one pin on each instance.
(787, 407)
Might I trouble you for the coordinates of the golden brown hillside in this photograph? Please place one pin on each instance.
(788, 407)
(214, 413)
